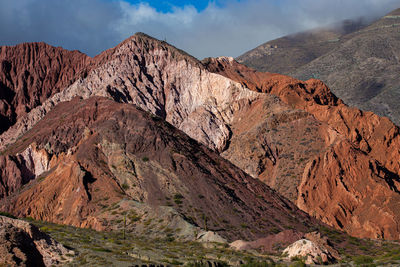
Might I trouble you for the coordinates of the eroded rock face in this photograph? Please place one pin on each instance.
(19, 169)
(30, 73)
(355, 186)
(22, 244)
(104, 152)
(353, 174)
(310, 251)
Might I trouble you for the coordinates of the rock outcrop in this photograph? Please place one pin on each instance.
(307, 249)
(22, 244)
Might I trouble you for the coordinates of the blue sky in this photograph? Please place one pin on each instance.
(201, 28)
(168, 5)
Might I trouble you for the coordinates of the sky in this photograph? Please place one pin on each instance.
(201, 28)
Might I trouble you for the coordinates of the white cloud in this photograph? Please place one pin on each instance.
(242, 25)
(231, 29)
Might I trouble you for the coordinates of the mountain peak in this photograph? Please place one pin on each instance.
(394, 13)
(151, 43)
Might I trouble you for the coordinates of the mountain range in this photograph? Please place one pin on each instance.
(148, 139)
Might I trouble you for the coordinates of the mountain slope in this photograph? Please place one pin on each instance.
(161, 79)
(355, 169)
(274, 132)
(32, 72)
(285, 55)
(363, 71)
(104, 153)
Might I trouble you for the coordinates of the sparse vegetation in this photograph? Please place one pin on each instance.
(125, 186)
(178, 199)
(363, 260)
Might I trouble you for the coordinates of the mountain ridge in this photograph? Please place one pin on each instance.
(211, 101)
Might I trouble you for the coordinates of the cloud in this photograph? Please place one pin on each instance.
(229, 28)
(85, 25)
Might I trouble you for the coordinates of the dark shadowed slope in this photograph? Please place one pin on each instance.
(104, 154)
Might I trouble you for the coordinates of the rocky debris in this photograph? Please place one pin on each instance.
(22, 244)
(210, 237)
(271, 244)
(312, 253)
(323, 241)
(206, 263)
(103, 152)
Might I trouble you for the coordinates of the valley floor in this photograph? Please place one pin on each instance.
(93, 248)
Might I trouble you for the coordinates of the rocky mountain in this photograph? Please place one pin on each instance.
(89, 155)
(104, 160)
(360, 67)
(23, 244)
(356, 165)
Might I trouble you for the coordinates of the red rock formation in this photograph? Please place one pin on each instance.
(287, 117)
(357, 174)
(32, 72)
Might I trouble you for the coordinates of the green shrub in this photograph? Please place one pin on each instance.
(6, 214)
(363, 260)
(125, 186)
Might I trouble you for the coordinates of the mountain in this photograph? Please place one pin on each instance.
(346, 168)
(88, 155)
(361, 68)
(286, 54)
(104, 159)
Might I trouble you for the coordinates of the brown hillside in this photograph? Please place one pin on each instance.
(102, 154)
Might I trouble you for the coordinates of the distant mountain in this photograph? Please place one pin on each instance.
(287, 54)
(361, 67)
